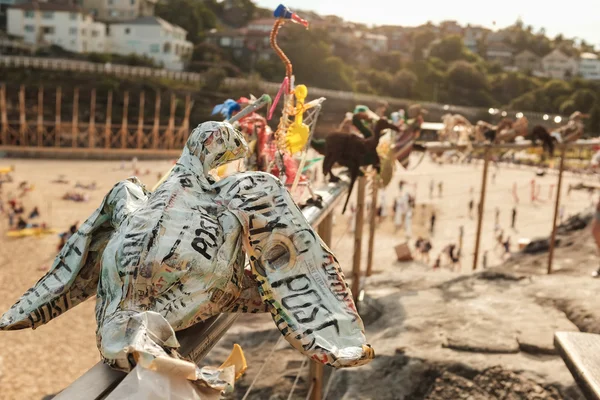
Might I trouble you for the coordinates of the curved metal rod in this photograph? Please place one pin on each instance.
(286, 61)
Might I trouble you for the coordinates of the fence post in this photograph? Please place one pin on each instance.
(486, 162)
(40, 117)
(140, 130)
(3, 116)
(57, 123)
(108, 122)
(372, 223)
(22, 118)
(75, 122)
(556, 206)
(156, 126)
(171, 126)
(325, 230)
(358, 229)
(92, 125)
(124, 120)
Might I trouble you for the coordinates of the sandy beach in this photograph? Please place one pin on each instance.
(37, 363)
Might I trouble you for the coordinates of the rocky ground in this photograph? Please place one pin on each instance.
(439, 335)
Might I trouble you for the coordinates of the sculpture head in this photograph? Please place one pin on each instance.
(216, 143)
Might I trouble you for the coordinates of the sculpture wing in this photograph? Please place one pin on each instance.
(74, 275)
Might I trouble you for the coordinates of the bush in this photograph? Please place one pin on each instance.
(213, 79)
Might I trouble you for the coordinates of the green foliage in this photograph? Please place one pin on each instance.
(582, 100)
(214, 78)
(403, 84)
(196, 17)
(450, 48)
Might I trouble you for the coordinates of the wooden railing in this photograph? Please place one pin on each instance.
(90, 134)
(266, 87)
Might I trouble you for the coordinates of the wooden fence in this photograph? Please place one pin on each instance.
(77, 133)
(472, 113)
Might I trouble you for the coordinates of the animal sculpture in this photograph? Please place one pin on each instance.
(351, 151)
(159, 262)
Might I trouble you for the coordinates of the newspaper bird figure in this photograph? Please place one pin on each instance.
(160, 262)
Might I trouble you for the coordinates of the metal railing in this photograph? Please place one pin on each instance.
(197, 341)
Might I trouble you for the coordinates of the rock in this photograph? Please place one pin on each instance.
(451, 386)
(536, 343)
(485, 343)
(492, 275)
(539, 245)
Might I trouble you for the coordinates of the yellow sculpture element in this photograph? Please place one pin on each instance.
(298, 132)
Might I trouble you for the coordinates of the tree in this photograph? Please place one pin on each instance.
(582, 100)
(390, 62)
(450, 48)
(466, 75)
(421, 40)
(193, 16)
(403, 84)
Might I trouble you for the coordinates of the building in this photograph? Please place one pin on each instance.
(473, 35)
(375, 42)
(589, 66)
(68, 26)
(500, 52)
(153, 37)
(118, 10)
(558, 65)
(451, 28)
(528, 61)
(4, 5)
(64, 25)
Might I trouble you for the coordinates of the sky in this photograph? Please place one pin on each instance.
(573, 18)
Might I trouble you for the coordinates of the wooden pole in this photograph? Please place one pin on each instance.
(186, 119)
(22, 119)
(40, 117)
(156, 126)
(108, 123)
(75, 122)
(372, 223)
(140, 129)
(325, 230)
(3, 116)
(486, 162)
(358, 229)
(57, 123)
(561, 169)
(171, 126)
(92, 125)
(124, 120)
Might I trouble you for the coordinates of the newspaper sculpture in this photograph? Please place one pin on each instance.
(160, 262)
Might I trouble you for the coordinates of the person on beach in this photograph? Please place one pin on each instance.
(497, 216)
(471, 208)
(431, 186)
(432, 222)
(440, 188)
(513, 219)
(485, 259)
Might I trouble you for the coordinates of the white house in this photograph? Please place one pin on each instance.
(58, 24)
(589, 66)
(472, 36)
(153, 37)
(558, 65)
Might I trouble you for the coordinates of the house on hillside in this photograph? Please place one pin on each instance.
(118, 10)
(558, 65)
(4, 5)
(589, 66)
(451, 28)
(500, 52)
(64, 25)
(497, 36)
(68, 26)
(153, 37)
(472, 36)
(251, 43)
(376, 42)
(528, 61)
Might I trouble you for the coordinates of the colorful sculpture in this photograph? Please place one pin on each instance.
(160, 262)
